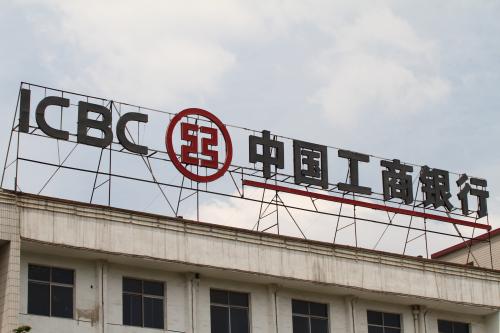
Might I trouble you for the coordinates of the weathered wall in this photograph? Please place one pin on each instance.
(481, 254)
(238, 250)
(103, 245)
(9, 265)
(182, 317)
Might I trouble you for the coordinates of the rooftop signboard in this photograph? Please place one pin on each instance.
(191, 153)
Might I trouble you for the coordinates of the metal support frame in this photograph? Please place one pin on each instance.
(237, 178)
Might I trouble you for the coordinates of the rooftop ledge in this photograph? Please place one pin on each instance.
(244, 235)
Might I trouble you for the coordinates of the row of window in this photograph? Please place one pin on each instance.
(51, 293)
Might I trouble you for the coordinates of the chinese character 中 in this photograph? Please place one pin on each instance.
(272, 152)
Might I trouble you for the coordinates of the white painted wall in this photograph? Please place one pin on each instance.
(264, 255)
(103, 245)
(482, 254)
(178, 306)
(86, 289)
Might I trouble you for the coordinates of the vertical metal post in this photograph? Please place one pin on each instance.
(10, 138)
(355, 224)
(276, 193)
(110, 155)
(17, 162)
(197, 201)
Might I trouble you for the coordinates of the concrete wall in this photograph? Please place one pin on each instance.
(102, 245)
(267, 256)
(481, 254)
(9, 264)
(180, 316)
(493, 323)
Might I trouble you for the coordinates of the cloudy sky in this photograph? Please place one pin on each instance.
(418, 81)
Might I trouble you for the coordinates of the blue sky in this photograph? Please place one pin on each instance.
(417, 81)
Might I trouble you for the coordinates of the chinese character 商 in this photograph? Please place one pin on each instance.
(396, 181)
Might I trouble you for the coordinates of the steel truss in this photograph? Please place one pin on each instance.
(273, 203)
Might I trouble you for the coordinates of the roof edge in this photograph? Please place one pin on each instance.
(465, 244)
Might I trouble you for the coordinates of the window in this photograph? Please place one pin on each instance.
(229, 312)
(381, 322)
(143, 303)
(452, 327)
(309, 317)
(50, 291)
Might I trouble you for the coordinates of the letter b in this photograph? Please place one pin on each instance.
(103, 125)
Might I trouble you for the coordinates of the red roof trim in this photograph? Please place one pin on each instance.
(468, 243)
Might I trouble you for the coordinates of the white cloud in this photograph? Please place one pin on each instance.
(150, 50)
(240, 213)
(378, 65)
(164, 51)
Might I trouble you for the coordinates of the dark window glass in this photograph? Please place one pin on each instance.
(38, 298)
(132, 285)
(62, 302)
(380, 322)
(65, 276)
(153, 312)
(375, 318)
(318, 309)
(309, 317)
(300, 324)
(460, 328)
(392, 330)
(153, 288)
(132, 310)
(445, 326)
(392, 320)
(219, 296)
(375, 329)
(239, 320)
(40, 273)
(229, 312)
(54, 297)
(239, 299)
(319, 325)
(138, 308)
(219, 319)
(300, 307)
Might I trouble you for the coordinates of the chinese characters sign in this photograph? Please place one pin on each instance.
(199, 146)
(310, 168)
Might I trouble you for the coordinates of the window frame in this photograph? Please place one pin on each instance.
(311, 316)
(383, 326)
(229, 306)
(143, 295)
(452, 322)
(50, 284)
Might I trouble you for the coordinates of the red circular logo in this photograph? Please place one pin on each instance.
(189, 132)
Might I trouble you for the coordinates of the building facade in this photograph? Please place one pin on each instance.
(73, 267)
(483, 251)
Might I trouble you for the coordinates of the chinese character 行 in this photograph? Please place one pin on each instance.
(481, 194)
